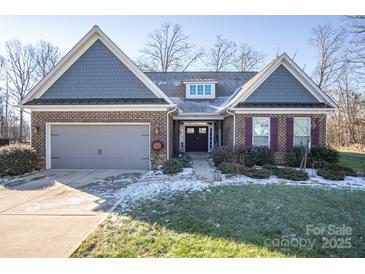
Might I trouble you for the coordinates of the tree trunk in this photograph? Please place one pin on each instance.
(21, 126)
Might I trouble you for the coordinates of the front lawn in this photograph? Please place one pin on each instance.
(355, 160)
(234, 221)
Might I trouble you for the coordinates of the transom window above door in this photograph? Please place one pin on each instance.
(200, 90)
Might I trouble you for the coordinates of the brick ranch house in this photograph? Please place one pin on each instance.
(97, 109)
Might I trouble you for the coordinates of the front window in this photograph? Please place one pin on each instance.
(208, 90)
(302, 132)
(200, 91)
(192, 89)
(261, 131)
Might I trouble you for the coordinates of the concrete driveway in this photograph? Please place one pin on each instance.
(49, 214)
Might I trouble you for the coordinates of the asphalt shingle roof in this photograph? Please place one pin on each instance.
(172, 84)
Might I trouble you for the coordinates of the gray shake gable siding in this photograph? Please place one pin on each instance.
(98, 73)
(281, 87)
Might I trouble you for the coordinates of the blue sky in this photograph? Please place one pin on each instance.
(264, 33)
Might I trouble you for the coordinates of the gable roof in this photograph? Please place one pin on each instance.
(281, 87)
(95, 35)
(284, 62)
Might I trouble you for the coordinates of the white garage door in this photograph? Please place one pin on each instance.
(100, 146)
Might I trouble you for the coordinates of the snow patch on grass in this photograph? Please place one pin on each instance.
(155, 184)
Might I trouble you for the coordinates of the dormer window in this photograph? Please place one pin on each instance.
(200, 90)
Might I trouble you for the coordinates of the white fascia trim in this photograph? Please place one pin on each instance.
(98, 108)
(202, 82)
(293, 68)
(86, 42)
(283, 111)
(196, 117)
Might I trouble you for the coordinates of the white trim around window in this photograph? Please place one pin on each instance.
(264, 132)
(200, 90)
(307, 130)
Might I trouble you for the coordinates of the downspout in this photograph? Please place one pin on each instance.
(234, 126)
(168, 131)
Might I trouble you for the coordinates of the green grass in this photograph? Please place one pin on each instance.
(355, 160)
(231, 221)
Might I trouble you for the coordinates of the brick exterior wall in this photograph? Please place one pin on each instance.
(279, 155)
(157, 120)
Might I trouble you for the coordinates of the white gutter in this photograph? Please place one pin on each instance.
(168, 131)
(234, 125)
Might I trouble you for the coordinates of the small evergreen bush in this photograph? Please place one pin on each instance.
(257, 173)
(336, 172)
(318, 156)
(336, 175)
(291, 174)
(17, 159)
(185, 160)
(172, 166)
(262, 156)
(294, 156)
(228, 168)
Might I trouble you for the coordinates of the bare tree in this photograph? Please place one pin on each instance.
(20, 70)
(248, 58)
(222, 55)
(357, 55)
(328, 43)
(47, 56)
(168, 49)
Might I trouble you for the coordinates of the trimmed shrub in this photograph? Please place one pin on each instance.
(263, 156)
(330, 174)
(222, 155)
(249, 158)
(229, 168)
(348, 171)
(185, 160)
(17, 159)
(257, 173)
(322, 154)
(228, 154)
(336, 172)
(172, 166)
(271, 168)
(291, 174)
(294, 156)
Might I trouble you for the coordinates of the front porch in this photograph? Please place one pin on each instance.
(197, 136)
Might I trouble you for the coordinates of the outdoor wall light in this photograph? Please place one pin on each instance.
(35, 129)
(157, 131)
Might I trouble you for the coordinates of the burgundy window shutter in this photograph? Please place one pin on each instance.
(274, 133)
(248, 133)
(289, 132)
(315, 132)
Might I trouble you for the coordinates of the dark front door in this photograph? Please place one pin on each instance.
(196, 139)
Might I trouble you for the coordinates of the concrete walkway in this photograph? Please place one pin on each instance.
(51, 216)
(201, 166)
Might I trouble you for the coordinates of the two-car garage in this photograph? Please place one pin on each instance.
(98, 146)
